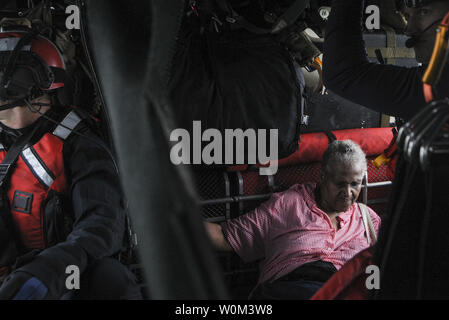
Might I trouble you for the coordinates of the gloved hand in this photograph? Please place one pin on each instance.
(20, 285)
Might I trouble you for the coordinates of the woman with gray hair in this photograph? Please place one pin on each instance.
(302, 236)
(346, 151)
(342, 173)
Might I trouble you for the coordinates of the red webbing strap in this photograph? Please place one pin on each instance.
(428, 92)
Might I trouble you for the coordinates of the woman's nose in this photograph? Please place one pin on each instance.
(347, 190)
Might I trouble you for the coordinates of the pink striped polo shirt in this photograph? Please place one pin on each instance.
(290, 230)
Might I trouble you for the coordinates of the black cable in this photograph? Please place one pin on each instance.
(9, 105)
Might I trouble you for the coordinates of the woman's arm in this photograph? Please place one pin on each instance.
(215, 233)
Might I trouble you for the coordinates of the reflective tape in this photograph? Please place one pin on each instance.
(37, 168)
(64, 129)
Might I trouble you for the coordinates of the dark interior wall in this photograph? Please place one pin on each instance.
(175, 252)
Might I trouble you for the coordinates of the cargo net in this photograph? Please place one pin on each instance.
(286, 177)
(378, 196)
(374, 174)
(304, 173)
(254, 183)
(211, 185)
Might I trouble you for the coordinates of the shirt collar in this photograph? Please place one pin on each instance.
(345, 216)
(309, 194)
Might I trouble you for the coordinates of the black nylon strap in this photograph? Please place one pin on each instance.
(15, 103)
(15, 54)
(287, 19)
(9, 241)
(331, 136)
(13, 153)
(291, 15)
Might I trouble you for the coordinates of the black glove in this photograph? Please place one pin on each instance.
(21, 285)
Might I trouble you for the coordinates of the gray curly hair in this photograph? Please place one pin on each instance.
(346, 151)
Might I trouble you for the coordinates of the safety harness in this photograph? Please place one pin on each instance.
(10, 245)
(389, 54)
(38, 176)
(368, 224)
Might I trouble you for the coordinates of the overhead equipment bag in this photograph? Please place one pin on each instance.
(230, 76)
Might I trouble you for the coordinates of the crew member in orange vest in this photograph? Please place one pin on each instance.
(62, 208)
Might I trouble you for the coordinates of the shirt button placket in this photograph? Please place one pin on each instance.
(330, 244)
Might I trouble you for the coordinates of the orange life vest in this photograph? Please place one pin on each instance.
(38, 173)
